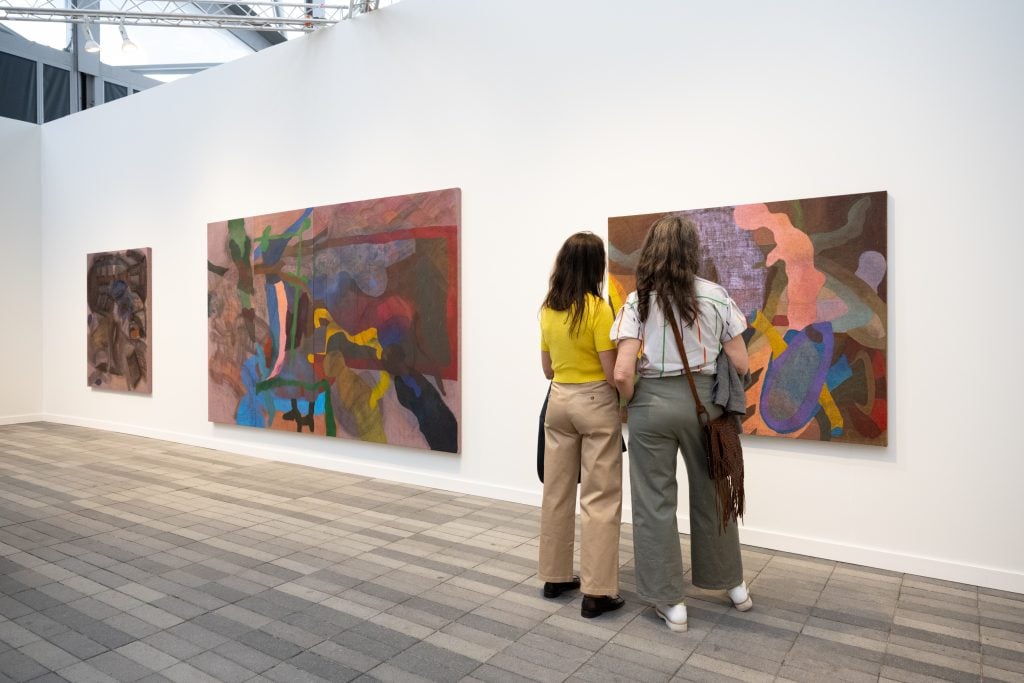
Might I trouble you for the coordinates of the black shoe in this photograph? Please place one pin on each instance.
(596, 605)
(553, 590)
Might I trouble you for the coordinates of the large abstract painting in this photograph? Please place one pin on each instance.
(810, 275)
(340, 320)
(118, 288)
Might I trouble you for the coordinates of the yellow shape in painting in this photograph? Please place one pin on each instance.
(778, 345)
(354, 395)
(828, 404)
(775, 339)
(367, 337)
(378, 391)
(617, 294)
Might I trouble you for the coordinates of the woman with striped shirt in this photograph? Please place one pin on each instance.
(663, 418)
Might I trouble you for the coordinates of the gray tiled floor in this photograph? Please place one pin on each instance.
(129, 559)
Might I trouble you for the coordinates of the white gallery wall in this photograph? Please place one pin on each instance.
(21, 297)
(551, 121)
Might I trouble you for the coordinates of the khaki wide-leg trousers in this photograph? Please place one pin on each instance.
(663, 422)
(582, 439)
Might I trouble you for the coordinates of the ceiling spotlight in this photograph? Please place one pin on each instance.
(126, 43)
(90, 43)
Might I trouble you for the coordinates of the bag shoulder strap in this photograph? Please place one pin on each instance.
(702, 413)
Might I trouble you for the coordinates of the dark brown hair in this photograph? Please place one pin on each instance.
(578, 271)
(669, 260)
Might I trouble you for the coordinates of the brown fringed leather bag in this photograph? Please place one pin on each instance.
(724, 450)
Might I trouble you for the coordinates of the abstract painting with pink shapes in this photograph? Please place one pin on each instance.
(340, 320)
(810, 276)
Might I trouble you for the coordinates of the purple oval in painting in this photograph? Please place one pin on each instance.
(792, 384)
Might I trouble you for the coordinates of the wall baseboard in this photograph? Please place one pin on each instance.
(937, 568)
(879, 558)
(19, 419)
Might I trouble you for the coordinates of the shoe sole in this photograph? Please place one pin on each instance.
(745, 605)
(673, 626)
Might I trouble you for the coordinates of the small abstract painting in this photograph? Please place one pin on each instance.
(340, 320)
(810, 275)
(120, 354)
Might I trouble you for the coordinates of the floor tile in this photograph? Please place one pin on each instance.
(144, 560)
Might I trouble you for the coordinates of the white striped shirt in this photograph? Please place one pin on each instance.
(719, 319)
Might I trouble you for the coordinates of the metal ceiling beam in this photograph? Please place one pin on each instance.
(257, 15)
(255, 40)
(169, 69)
(258, 40)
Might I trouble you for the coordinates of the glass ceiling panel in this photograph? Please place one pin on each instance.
(53, 35)
(156, 45)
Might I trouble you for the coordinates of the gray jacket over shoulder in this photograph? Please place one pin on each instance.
(729, 391)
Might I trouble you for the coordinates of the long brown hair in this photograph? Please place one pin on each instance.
(578, 271)
(669, 260)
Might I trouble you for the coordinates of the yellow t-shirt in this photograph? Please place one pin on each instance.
(575, 359)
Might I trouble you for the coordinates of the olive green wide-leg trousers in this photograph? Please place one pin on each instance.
(663, 422)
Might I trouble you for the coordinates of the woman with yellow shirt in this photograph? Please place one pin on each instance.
(582, 431)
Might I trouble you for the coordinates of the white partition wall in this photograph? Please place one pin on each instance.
(550, 121)
(21, 296)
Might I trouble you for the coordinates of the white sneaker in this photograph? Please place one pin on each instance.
(740, 597)
(674, 616)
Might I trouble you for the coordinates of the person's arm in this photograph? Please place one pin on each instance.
(603, 342)
(545, 364)
(734, 323)
(608, 365)
(625, 368)
(736, 350)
